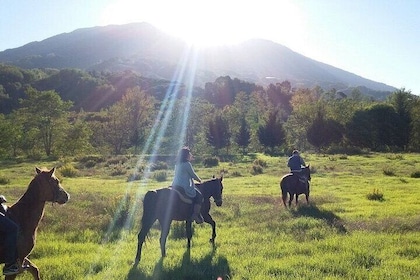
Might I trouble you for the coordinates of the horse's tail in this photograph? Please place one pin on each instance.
(149, 209)
(284, 190)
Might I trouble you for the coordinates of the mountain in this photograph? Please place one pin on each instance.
(143, 48)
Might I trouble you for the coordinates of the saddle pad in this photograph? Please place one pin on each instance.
(182, 196)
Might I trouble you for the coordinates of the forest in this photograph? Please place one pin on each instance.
(57, 113)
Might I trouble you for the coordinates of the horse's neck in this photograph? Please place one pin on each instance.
(28, 211)
(204, 191)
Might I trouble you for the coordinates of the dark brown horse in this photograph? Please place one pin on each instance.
(27, 212)
(293, 186)
(166, 205)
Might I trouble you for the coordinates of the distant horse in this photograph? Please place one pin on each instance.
(27, 212)
(167, 204)
(290, 184)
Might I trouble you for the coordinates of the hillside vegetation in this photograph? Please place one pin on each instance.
(362, 221)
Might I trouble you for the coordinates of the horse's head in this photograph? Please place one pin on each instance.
(49, 187)
(214, 188)
(307, 172)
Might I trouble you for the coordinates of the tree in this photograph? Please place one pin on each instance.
(402, 101)
(323, 132)
(271, 134)
(243, 138)
(218, 134)
(75, 140)
(375, 128)
(127, 120)
(45, 111)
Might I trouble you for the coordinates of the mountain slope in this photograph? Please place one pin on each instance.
(143, 48)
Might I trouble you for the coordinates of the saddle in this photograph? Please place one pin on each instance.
(181, 194)
(300, 178)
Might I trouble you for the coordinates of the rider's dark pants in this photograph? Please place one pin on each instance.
(198, 199)
(9, 230)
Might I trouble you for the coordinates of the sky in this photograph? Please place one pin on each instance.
(375, 39)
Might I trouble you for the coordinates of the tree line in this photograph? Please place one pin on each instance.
(70, 112)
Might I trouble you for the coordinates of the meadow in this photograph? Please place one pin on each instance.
(362, 222)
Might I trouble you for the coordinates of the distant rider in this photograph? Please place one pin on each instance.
(295, 163)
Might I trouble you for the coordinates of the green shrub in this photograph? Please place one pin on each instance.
(90, 163)
(160, 176)
(118, 169)
(256, 169)
(236, 174)
(116, 160)
(211, 161)
(415, 174)
(91, 158)
(260, 162)
(388, 172)
(159, 165)
(4, 180)
(376, 195)
(68, 170)
(134, 177)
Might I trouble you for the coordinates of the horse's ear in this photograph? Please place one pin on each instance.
(37, 170)
(52, 171)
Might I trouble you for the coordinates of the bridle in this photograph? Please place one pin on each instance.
(53, 185)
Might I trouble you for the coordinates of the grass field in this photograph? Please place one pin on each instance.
(341, 234)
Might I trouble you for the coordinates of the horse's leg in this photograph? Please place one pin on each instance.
(141, 238)
(31, 268)
(307, 194)
(163, 236)
(27, 266)
(297, 197)
(188, 230)
(290, 199)
(208, 219)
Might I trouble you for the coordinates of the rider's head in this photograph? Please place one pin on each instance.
(184, 154)
(295, 152)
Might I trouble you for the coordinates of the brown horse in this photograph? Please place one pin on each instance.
(291, 185)
(27, 212)
(166, 205)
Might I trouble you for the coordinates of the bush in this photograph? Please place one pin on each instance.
(4, 180)
(211, 161)
(236, 174)
(118, 169)
(68, 170)
(260, 162)
(91, 158)
(388, 172)
(159, 165)
(415, 174)
(90, 163)
(116, 160)
(376, 195)
(256, 169)
(160, 176)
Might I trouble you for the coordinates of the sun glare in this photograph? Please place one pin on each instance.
(209, 23)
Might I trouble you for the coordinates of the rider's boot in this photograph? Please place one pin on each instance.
(197, 214)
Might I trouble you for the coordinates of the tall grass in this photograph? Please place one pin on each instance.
(341, 234)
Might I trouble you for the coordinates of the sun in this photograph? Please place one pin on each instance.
(208, 23)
